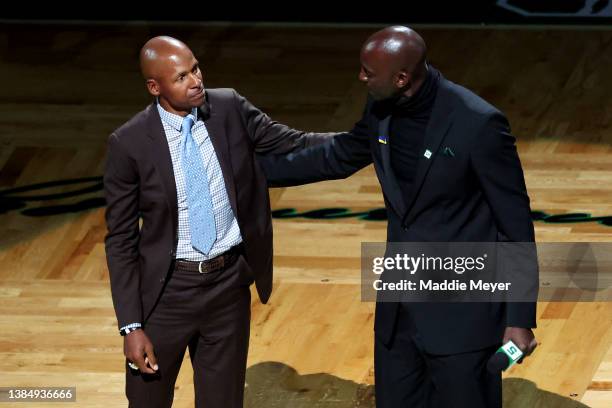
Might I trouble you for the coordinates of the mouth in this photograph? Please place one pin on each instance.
(199, 94)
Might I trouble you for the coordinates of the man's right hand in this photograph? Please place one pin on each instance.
(139, 350)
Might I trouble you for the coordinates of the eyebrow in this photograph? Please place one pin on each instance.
(195, 64)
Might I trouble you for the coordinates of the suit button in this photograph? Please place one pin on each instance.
(162, 280)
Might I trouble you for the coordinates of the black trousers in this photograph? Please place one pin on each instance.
(408, 377)
(210, 315)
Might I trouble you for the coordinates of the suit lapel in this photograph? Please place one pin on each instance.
(391, 188)
(213, 119)
(160, 152)
(439, 123)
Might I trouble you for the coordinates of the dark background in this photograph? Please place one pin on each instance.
(362, 11)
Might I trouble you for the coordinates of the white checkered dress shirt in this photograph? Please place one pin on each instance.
(228, 231)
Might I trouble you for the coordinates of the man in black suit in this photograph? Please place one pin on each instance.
(189, 229)
(449, 172)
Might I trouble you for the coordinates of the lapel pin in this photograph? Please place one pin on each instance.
(382, 139)
(427, 153)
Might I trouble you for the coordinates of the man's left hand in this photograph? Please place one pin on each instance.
(523, 338)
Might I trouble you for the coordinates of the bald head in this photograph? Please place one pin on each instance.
(400, 46)
(393, 62)
(172, 74)
(160, 51)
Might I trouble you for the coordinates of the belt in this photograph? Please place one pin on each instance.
(215, 264)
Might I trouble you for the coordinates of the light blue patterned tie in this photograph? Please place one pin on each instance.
(199, 201)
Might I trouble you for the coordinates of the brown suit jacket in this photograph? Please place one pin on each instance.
(139, 184)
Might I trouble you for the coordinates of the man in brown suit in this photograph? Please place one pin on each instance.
(189, 229)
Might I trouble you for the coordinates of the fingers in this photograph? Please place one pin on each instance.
(532, 346)
(151, 360)
(527, 349)
(139, 360)
(529, 346)
(523, 348)
(522, 338)
(138, 347)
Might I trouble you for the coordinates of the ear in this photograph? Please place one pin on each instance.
(153, 87)
(403, 79)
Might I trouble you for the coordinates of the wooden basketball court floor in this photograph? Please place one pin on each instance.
(65, 87)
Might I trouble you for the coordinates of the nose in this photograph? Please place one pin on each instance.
(197, 81)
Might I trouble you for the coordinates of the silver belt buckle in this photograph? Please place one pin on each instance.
(215, 263)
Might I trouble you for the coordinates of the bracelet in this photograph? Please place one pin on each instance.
(127, 330)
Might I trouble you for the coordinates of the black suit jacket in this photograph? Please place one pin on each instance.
(473, 193)
(139, 185)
